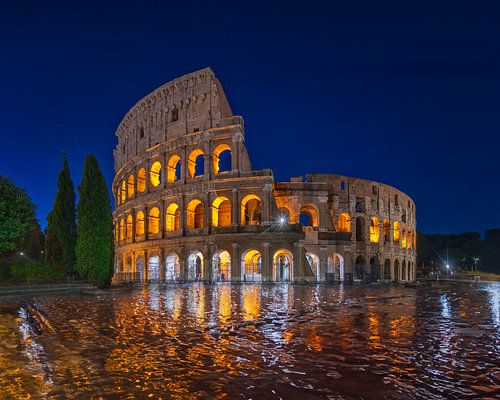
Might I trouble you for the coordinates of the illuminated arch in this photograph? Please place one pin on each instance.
(123, 192)
(172, 267)
(374, 230)
(139, 224)
(130, 186)
(154, 221)
(172, 218)
(251, 210)
(396, 232)
(403, 238)
(251, 266)
(195, 215)
(221, 212)
(155, 174)
(118, 195)
(335, 266)
(141, 180)
(154, 269)
(195, 164)
(409, 239)
(195, 265)
(311, 212)
(284, 215)
(129, 229)
(313, 261)
(221, 148)
(173, 169)
(387, 231)
(283, 266)
(221, 266)
(344, 223)
(122, 229)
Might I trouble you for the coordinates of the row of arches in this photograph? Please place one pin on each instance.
(373, 270)
(379, 230)
(221, 216)
(195, 166)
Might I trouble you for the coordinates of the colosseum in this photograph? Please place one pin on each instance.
(189, 206)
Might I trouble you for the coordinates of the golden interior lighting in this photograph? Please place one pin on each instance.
(129, 227)
(397, 231)
(195, 214)
(141, 181)
(251, 210)
(252, 262)
(403, 238)
(312, 213)
(217, 151)
(139, 224)
(154, 221)
(409, 240)
(374, 230)
(191, 162)
(130, 186)
(154, 174)
(387, 230)
(123, 192)
(221, 212)
(122, 228)
(172, 168)
(344, 223)
(172, 218)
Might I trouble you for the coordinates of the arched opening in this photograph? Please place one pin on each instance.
(344, 223)
(130, 232)
(222, 158)
(313, 261)
(130, 186)
(173, 169)
(284, 215)
(139, 269)
(397, 272)
(154, 269)
(374, 230)
(195, 215)
(139, 224)
(360, 267)
(387, 231)
(396, 232)
(251, 266)
(250, 210)
(403, 270)
(221, 212)
(172, 218)
(387, 269)
(122, 229)
(118, 195)
(123, 192)
(141, 181)
(309, 215)
(154, 221)
(335, 268)
(221, 266)
(403, 238)
(409, 239)
(155, 174)
(172, 268)
(283, 266)
(196, 163)
(374, 269)
(360, 229)
(195, 266)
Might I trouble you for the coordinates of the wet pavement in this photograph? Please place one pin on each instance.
(436, 341)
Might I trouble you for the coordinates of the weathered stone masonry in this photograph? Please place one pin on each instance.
(190, 207)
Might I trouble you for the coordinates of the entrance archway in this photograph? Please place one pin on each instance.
(251, 266)
(154, 269)
(283, 266)
(397, 272)
(221, 266)
(335, 267)
(387, 270)
(172, 268)
(139, 269)
(374, 269)
(313, 261)
(195, 266)
(360, 267)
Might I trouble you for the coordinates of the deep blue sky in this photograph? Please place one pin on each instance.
(407, 95)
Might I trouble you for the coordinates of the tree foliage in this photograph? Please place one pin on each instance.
(61, 225)
(94, 246)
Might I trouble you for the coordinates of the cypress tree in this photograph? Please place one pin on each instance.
(94, 246)
(60, 241)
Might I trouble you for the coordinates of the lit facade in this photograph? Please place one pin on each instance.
(189, 206)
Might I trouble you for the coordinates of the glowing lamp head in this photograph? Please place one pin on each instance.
(282, 220)
(447, 266)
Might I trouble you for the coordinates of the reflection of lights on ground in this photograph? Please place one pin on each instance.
(494, 297)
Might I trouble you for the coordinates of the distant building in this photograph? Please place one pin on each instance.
(190, 207)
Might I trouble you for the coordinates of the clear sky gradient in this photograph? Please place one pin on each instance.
(403, 94)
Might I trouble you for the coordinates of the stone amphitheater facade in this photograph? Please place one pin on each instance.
(189, 206)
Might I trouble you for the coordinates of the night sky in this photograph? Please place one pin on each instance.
(406, 95)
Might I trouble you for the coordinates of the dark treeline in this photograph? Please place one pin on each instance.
(466, 251)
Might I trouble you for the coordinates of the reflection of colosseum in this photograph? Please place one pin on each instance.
(190, 207)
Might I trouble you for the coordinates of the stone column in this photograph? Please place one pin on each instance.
(207, 166)
(184, 162)
(161, 255)
(266, 209)
(323, 263)
(235, 263)
(236, 153)
(267, 268)
(235, 208)
(298, 263)
(183, 264)
(207, 213)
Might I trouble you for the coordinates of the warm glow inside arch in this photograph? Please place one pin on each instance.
(397, 232)
(374, 230)
(154, 221)
(172, 218)
(312, 212)
(130, 186)
(172, 175)
(251, 210)
(403, 238)
(139, 224)
(123, 192)
(387, 230)
(155, 174)
(221, 211)
(129, 227)
(216, 158)
(192, 161)
(141, 180)
(122, 229)
(195, 214)
(251, 265)
(344, 223)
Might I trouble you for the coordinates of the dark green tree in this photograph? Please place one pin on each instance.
(17, 217)
(94, 246)
(61, 225)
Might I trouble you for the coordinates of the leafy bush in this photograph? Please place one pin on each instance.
(34, 272)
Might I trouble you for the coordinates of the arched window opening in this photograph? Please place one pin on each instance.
(141, 180)
(155, 174)
(309, 215)
(251, 210)
(374, 230)
(360, 229)
(403, 238)
(174, 169)
(284, 216)
(172, 268)
(154, 221)
(172, 218)
(196, 163)
(139, 224)
(387, 231)
(221, 266)
(221, 212)
(283, 266)
(195, 266)
(130, 186)
(130, 232)
(396, 232)
(344, 223)
(118, 195)
(222, 159)
(195, 215)
(123, 192)
(251, 266)
(122, 229)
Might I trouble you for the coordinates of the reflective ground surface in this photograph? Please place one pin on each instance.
(250, 341)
